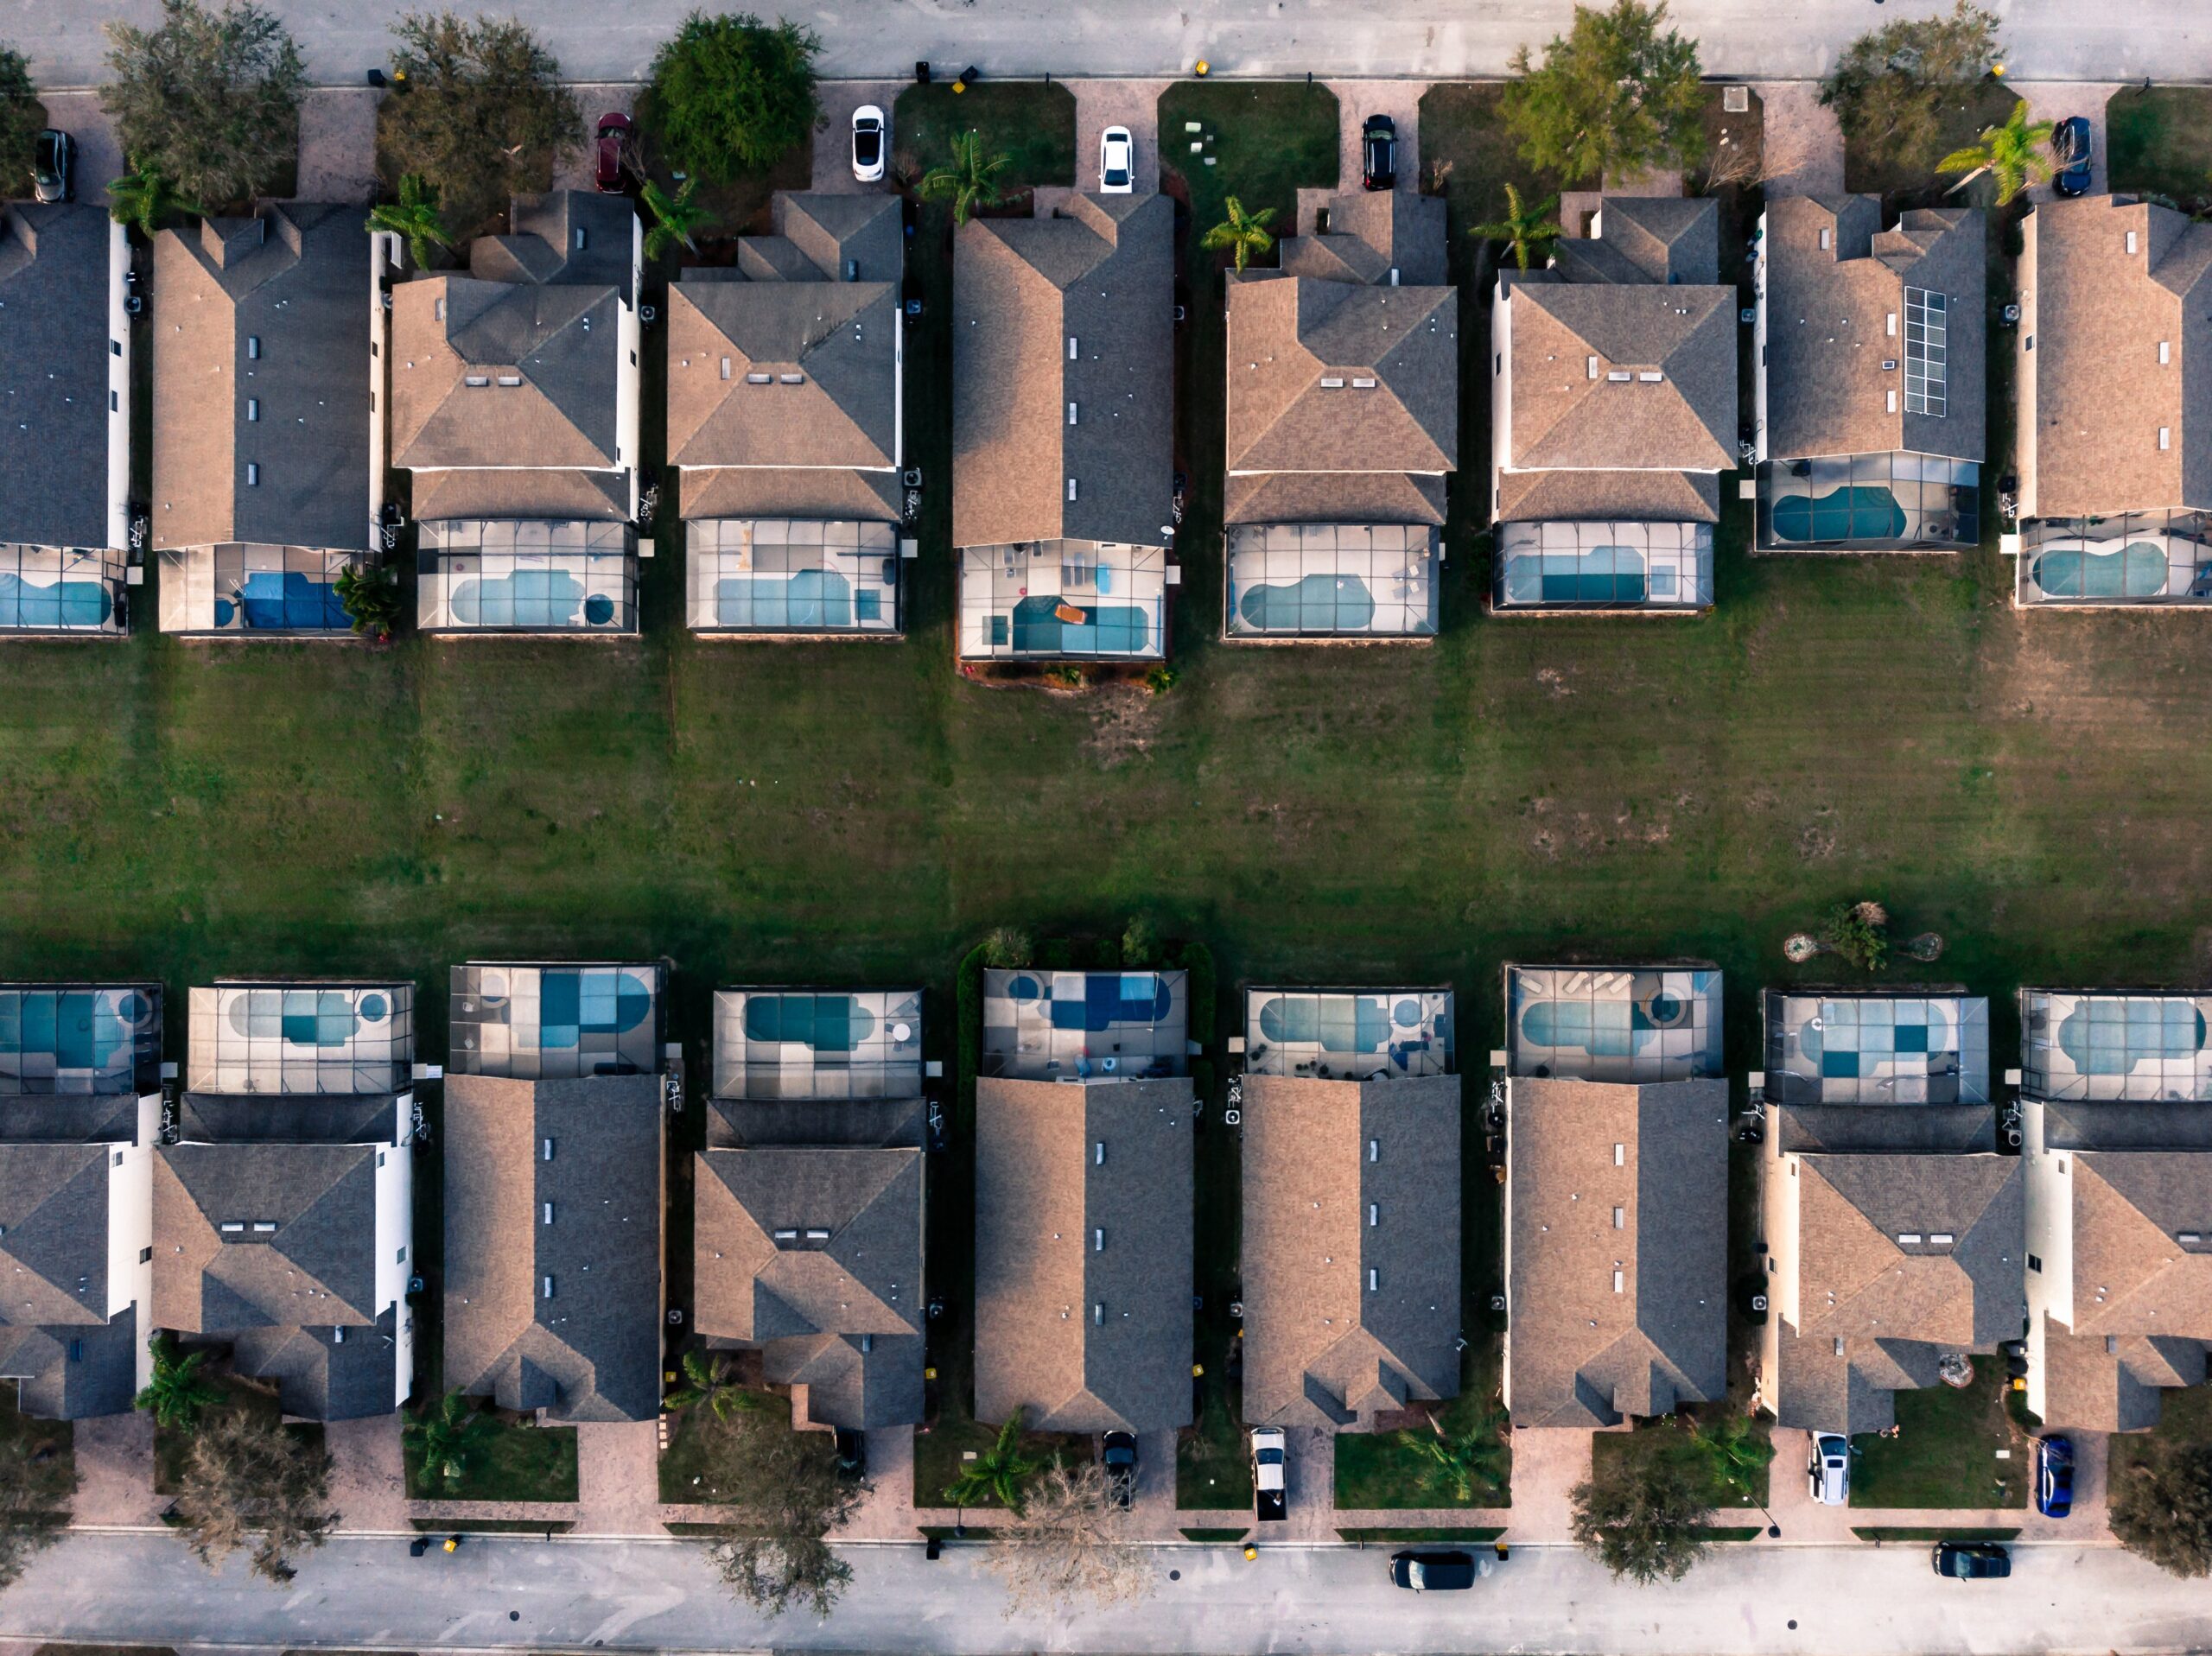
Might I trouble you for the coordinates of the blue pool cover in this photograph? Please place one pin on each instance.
(286, 601)
(64, 604)
(1110, 998)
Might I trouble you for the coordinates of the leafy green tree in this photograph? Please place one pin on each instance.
(969, 181)
(2012, 154)
(788, 1484)
(37, 1481)
(210, 99)
(482, 115)
(710, 1379)
(1527, 230)
(249, 1479)
(21, 118)
(1245, 235)
(731, 94)
(1888, 88)
(414, 217)
(1000, 1473)
(1647, 1520)
(1618, 95)
(2162, 1509)
(177, 1394)
(146, 198)
(675, 217)
(448, 1439)
(1454, 1463)
(370, 594)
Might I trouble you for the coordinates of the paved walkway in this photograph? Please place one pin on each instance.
(1547, 1465)
(338, 144)
(368, 1474)
(1804, 144)
(887, 1514)
(115, 1471)
(617, 1477)
(580, 171)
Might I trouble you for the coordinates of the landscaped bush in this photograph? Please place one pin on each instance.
(210, 100)
(730, 94)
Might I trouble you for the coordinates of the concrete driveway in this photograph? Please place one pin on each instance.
(833, 138)
(2055, 100)
(1356, 101)
(1132, 104)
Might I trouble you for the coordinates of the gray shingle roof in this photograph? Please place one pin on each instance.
(1102, 275)
(2093, 394)
(260, 346)
(762, 1280)
(1578, 1351)
(841, 338)
(54, 368)
(54, 1286)
(559, 344)
(1836, 313)
(1081, 1336)
(1661, 239)
(591, 1350)
(1370, 234)
(1322, 1348)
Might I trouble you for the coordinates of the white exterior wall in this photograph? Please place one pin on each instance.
(1759, 346)
(118, 392)
(395, 1244)
(1501, 391)
(2050, 1238)
(130, 1228)
(629, 340)
(385, 252)
(1505, 1271)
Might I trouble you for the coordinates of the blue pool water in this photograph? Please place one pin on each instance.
(1359, 1026)
(64, 604)
(1860, 513)
(805, 598)
(1111, 998)
(1106, 630)
(1602, 574)
(572, 1003)
(1317, 603)
(83, 1029)
(2113, 1046)
(2136, 571)
(1608, 1029)
(283, 600)
(826, 1023)
(529, 597)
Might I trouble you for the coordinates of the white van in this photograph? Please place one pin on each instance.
(1829, 1473)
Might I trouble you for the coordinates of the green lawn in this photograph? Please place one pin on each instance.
(1028, 122)
(2184, 1421)
(1727, 1489)
(2160, 142)
(1369, 1537)
(1945, 1453)
(172, 1449)
(939, 1453)
(516, 1463)
(1380, 1470)
(47, 1437)
(1905, 173)
(1224, 1537)
(689, 1470)
(1878, 1533)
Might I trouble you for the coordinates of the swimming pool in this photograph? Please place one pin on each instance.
(826, 1023)
(1037, 627)
(804, 598)
(1314, 603)
(2102, 1039)
(528, 598)
(1327, 1021)
(1856, 513)
(62, 605)
(1602, 574)
(572, 1003)
(283, 601)
(1107, 999)
(1604, 1029)
(2136, 570)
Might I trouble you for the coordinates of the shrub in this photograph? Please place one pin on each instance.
(1008, 947)
(371, 596)
(2162, 1510)
(1858, 932)
(1139, 943)
(21, 118)
(1888, 87)
(1162, 679)
(1615, 96)
(730, 94)
(210, 99)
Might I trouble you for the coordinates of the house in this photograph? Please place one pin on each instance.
(1613, 413)
(1616, 1194)
(554, 1286)
(65, 420)
(1063, 431)
(1869, 382)
(2118, 1151)
(81, 1103)
(282, 1204)
(786, 406)
(2115, 346)
(1084, 1236)
(514, 392)
(1342, 424)
(1063, 1026)
(261, 383)
(1351, 1256)
(1893, 1229)
(810, 1207)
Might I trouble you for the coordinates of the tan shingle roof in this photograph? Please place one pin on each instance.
(1607, 497)
(560, 344)
(1322, 1349)
(1084, 1337)
(1578, 1353)
(840, 338)
(1371, 232)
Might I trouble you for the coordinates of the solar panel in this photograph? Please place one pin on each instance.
(1926, 353)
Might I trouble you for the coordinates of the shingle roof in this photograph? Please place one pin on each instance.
(54, 368)
(1080, 1336)
(1103, 276)
(260, 348)
(573, 237)
(54, 1286)
(1321, 1211)
(808, 1302)
(1579, 1353)
(559, 346)
(1371, 232)
(1661, 239)
(2093, 393)
(1836, 313)
(840, 338)
(1333, 497)
(1609, 497)
(591, 1350)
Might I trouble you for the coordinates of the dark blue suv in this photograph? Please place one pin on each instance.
(2069, 148)
(2054, 1476)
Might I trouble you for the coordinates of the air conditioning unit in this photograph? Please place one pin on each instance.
(1758, 1302)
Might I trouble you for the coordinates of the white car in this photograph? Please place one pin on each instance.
(1117, 161)
(1270, 1489)
(870, 140)
(1827, 1473)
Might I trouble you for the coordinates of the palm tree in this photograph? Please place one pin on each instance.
(998, 1473)
(1526, 229)
(1244, 234)
(2016, 154)
(711, 1380)
(969, 180)
(178, 1392)
(144, 196)
(1457, 1460)
(1738, 1452)
(414, 217)
(446, 1439)
(675, 217)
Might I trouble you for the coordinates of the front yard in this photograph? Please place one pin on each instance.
(1946, 1450)
(1734, 1465)
(2160, 142)
(172, 1449)
(1903, 174)
(512, 1462)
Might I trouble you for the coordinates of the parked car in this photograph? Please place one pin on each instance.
(2054, 1476)
(614, 147)
(869, 136)
(1117, 161)
(1270, 1494)
(852, 1455)
(2069, 148)
(1437, 1572)
(1829, 1473)
(1378, 154)
(1117, 1455)
(54, 159)
(1973, 1560)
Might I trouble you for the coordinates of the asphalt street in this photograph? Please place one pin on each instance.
(500, 1592)
(2050, 39)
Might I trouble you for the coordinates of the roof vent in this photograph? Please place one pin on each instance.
(476, 379)
(510, 379)
(1374, 1279)
(1363, 383)
(583, 239)
(1651, 376)
(232, 1226)
(1097, 1241)
(2189, 1237)
(1332, 382)
(1374, 1214)
(759, 379)
(1620, 1155)
(725, 367)
(1071, 414)
(1098, 1154)
(1621, 375)
(2131, 241)
(545, 1149)
(546, 1287)
(1827, 237)
(816, 1235)
(1889, 364)
(2166, 437)
(549, 1213)
(792, 379)
(1071, 488)
(263, 1226)
(1909, 1238)
(338, 1336)
(1072, 349)
(1620, 1282)
(1375, 1150)
(785, 1236)
(1594, 367)
(1098, 1314)
(1940, 1238)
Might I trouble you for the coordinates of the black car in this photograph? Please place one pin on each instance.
(1117, 1455)
(1433, 1572)
(2069, 148)
(1973, 1560)
(1378, 154)
(852, 1455)
(52, 160)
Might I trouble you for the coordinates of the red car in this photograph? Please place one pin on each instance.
(613, 145)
